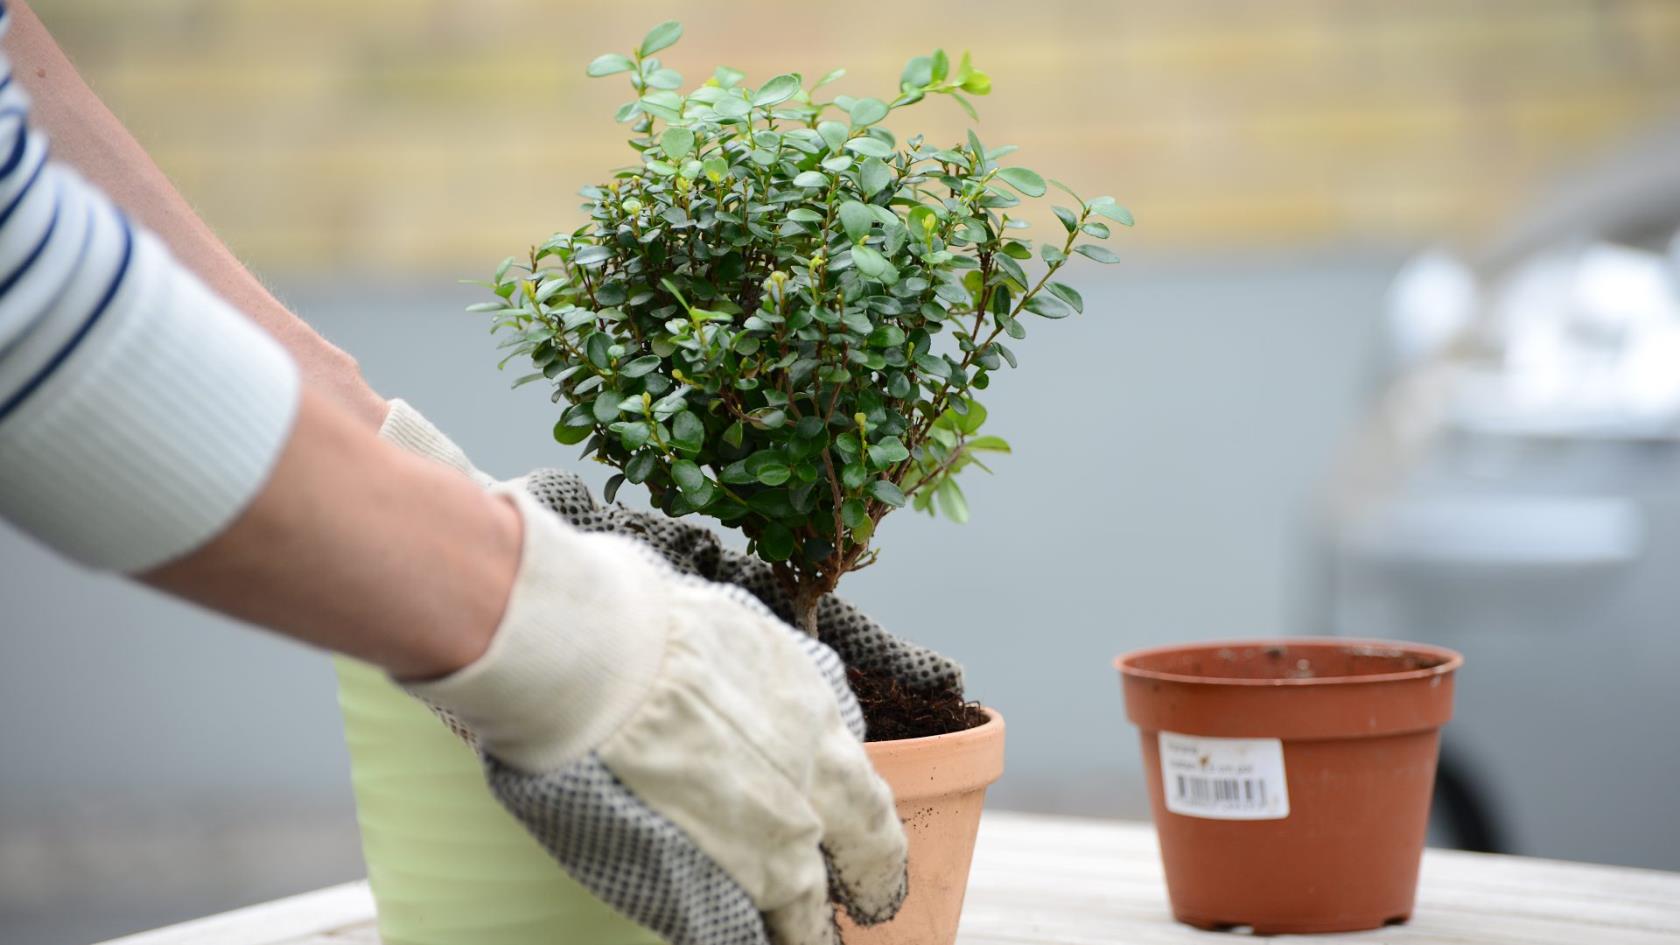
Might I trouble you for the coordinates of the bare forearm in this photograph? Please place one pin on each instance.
(359, 547)
(88, 137)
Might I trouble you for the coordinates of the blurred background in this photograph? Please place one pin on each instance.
(1394, 351)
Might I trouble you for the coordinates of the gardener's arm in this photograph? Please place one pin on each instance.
(147, 427)
(87, 137)
(357, 546)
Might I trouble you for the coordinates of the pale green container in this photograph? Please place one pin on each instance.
(447, 864)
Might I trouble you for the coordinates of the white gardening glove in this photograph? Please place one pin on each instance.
(693, 549)
(684, 754)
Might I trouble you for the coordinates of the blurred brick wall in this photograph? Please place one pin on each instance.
(409, 135)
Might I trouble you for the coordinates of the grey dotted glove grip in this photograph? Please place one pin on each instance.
(692, 549)
(650, 869)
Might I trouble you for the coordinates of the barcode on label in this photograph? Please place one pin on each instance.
(1224, 778)
(1209, 792)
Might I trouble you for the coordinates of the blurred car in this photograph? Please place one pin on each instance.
(1515, 494)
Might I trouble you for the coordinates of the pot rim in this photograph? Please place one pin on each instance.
(933, 766)
(994, 721)
(1450, 661)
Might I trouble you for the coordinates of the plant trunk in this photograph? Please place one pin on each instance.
(805, 591)
(805, 602)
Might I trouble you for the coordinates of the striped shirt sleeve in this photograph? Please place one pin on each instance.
(139, 413)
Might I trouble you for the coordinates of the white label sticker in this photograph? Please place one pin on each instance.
(1224, 778)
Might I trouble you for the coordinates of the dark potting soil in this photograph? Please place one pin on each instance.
(893, 712)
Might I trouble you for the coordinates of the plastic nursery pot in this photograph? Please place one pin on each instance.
(1290, 779)
(939, 784)
(447, 865)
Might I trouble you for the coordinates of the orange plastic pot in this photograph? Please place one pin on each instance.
(940, 785)
(1290, 780)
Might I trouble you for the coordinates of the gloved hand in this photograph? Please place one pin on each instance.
(684, 754)
(694, 549)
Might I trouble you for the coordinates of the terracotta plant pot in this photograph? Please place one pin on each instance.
(940, 784)
(1290, 779)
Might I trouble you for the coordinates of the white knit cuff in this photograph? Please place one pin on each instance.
(405, 427)
(158, 428)
(578, 649)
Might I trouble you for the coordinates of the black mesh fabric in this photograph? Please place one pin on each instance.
(695, 550)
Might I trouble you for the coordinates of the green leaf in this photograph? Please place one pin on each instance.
(1048, 306)
(923, 222)
(918, 73)
(833, 133)
(590, 256)
(773, 474)
(731, 107)
(952, 502)
(640, 366)
(887, 492)
(886, 336)
(1068, 294)
(596, 349)
(867, 111)
(872, 264)
(666, 79)
(1070, 220)
(610, 490)
(888, 452)
(687, 476)
(605, 407)
(989, 444)
(828, 77)
(874, 176)
(1106, 206)
(569, 435)
(804, 215)
(967, 105)
(660, 37)
(811, 179)
(934, 365)
(1066, 190)
(777, 90)
(677, 143)
(775, 542)
(869, 147)
(1101, 254)
(609, 64)
(856, 219)
(641, 466)
(853, 513)
(735, 433)
(1027, 182)
(688, 433)
(633, 434)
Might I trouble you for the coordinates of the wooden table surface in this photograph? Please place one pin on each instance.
(1069, 881)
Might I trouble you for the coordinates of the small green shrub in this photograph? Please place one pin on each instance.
(781, 315)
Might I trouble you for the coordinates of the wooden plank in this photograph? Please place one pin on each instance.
(281, 922)
(1041, 880)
